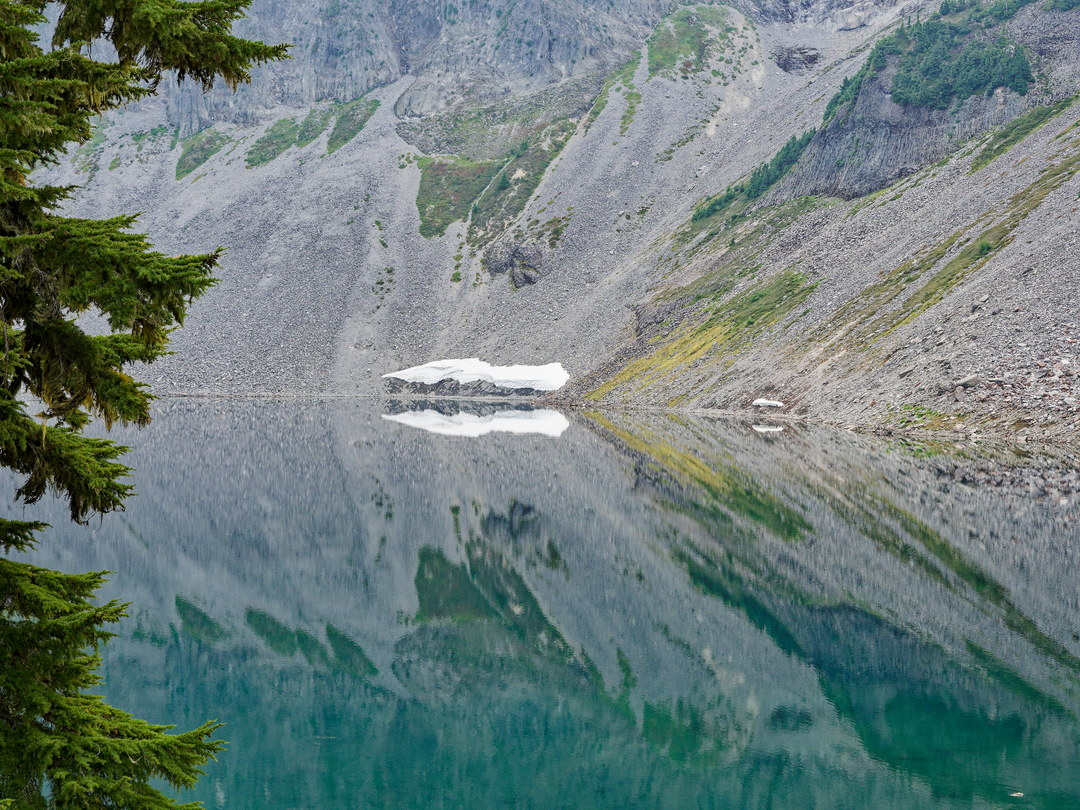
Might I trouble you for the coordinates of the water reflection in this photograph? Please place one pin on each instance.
(650, 612)
(475, 419)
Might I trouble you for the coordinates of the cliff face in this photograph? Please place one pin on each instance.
(875, 141)
(457, 53)
(341, 50)
(525, 181)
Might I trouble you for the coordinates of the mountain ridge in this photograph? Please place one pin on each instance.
(569, 232)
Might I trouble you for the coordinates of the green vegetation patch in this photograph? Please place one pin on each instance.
(350, 121)
(197, 149)
(1016, 130)
(502, 201)
(491, 131)
(761, 179)
(311, 649)
(159, 131)
(1013, 680)
(313, 126)
(726, 325)
(946, 59)
(448, 187)
(685, 42)
(918, 417)
(1063, 5)
(683, 732)
(633, 100)
(278, 138)
(277, 636)
(727, 586)
(621, 78)
(446, 591)
(86, 156)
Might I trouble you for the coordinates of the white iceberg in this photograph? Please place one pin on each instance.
(541, 420)
(549, 377)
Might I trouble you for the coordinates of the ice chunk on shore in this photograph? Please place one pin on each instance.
(548, 377)
(540, 420)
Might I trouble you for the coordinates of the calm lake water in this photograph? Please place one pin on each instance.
(620, 611)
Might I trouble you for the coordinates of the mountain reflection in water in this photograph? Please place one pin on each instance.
(648, 611)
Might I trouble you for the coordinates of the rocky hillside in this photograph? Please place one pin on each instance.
(865, 211)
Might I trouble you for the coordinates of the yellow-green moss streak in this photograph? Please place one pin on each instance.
(728, 325)
(861, 322)
(1015, 131)
(977, 252)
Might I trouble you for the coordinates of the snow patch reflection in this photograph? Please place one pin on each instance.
(543, 421)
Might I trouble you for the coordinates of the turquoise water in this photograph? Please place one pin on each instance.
(640, 612)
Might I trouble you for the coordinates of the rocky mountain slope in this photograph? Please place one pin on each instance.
(866, 211)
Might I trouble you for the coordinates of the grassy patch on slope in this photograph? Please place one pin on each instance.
(683, 43)
(504, 199)
(285, 133)
(448, 187)
(350, 121)
(621, 78)
(729, 323)
(938, 269)
(313, 126)
(1015, 131)
(279, 137)
(197, 149)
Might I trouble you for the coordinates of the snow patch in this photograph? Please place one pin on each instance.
(541, 420)
(767, 403)
(549, 377)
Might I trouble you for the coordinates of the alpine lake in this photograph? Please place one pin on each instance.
(591, 610)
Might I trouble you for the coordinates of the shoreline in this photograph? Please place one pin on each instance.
(973, 432)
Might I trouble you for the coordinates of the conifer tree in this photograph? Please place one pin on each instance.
(59, 747)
